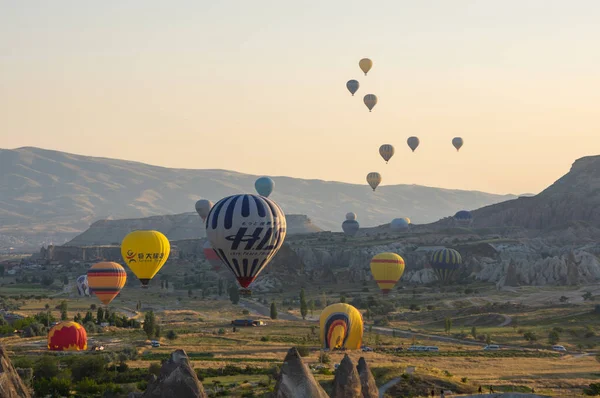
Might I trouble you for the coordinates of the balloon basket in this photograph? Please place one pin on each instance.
(245, 292)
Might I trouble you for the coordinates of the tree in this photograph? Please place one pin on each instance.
(65, 280)
(157, 331)
(530, 336)
(303, 305)
(149, 324)
(162, 284)
(63, 315)
(234, 294)
(342, 299)
(63, 307)
(190, 293)
(588, 296)
(553, 337)
(488, 339)
(273, 310)
(311, 307)
(100, 314)
(474, 332)
(220, 287)
(3, 321)
(88, 317)
(448, 325)
(167, 284)
(563, 299)
(171, 335)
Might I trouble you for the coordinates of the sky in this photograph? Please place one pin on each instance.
(259, 86)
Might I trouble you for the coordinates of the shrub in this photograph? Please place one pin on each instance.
(464, 379)
(171, 335)
(154, 369)
(221, 331)
(264, 338)
(324, 357)
(303, 351)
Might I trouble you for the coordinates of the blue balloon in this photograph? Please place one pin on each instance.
(399, 224)
(264, 186)
(463, 215)
(350, 227)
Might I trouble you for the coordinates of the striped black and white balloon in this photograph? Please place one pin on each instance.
(246, 231)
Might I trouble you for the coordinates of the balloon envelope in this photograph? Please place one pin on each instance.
(352, 86)
(203, 206)
(246, 231)
(370, 101)
(106, 280)
(350, 227)
(374, 179)
(341, 326)
(445, 262)
(413, 143)
(399, 224)
(83, 287)
(387, 269)
(457, 142)
(365, 65)
(350, 216)
(463, 217)
(386, 151)
(211, 256)
(264, 186)
(145, 252)
(407, 220)
(67, 336)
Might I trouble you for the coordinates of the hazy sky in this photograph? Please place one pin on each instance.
(259, 86)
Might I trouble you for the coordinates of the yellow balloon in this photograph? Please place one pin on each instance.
(387, 269)
(341, 326)
(145, 252)
(407, 219)
(365, 65)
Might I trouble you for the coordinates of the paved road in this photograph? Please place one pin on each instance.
(383, 389)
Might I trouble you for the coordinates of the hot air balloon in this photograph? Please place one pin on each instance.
(445, 262)
(463, 218)
(246, 231)
(67, 336)
(399, 224)
(386, 151)
(370, 101)
(407, 220)
(365, 65)
(145, 252)
(374, 179)
(413, 142)
(203, 206)
(387, 269)
(106, 280)
(211, 256)
(457, 142)
(341, 327)
(83, 288)
(264, 186)
(352, 86)
(350, 216)
(350, 227)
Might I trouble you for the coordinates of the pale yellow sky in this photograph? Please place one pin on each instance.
(259, 86)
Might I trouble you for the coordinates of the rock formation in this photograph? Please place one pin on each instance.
(367, 381)
(176, 379)
(346, 383)
(11, 385)
(295, 379)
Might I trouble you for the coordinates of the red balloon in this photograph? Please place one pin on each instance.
(67, 336)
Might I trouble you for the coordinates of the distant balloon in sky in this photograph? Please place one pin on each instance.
(386, 151)
(374, 179)
(407, 220)
(203, 206)
(350, 227)
(457, 142)
(413, 142)
(352, 86)
(445, 263)
(145, 252)
(264, 186)
(370, 101)
(399, 224)
(365, 65)
(106, 280)
(83, 286)
(387, 269)
(350, 216)
(463, 217)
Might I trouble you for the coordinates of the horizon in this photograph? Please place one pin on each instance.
(251, 89)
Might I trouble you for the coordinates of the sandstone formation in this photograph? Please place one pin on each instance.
(176, 379)
(367, 381)
(347, 382)
(295, 379)
(11, 385)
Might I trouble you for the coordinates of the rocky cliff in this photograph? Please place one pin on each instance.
(176, 379)
(346, 383)
(11, 385)
(367, 381)
(295, 379)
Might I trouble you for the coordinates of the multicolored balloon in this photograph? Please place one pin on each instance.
(374, 179)
(264, 186)
(211, 256)
(145, 252)
(386, 151)
(387, 269)
(106, 280)
(407, 220)
(463, 217)
(350, 227)
(370, 101)
(246, 231)
(352, 86)
(67, 336)
(457, 142)
(203, 206)
(413, 143)
(365, 65)
(83, 287)
(445, 262)
(341, 327)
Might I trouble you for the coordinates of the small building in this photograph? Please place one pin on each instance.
(248, 322)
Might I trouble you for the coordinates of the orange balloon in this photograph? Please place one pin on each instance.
(106, 280)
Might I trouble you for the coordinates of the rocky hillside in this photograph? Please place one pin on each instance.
(575, 197)
(175, 227)
(53, 196)
(11, 385)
